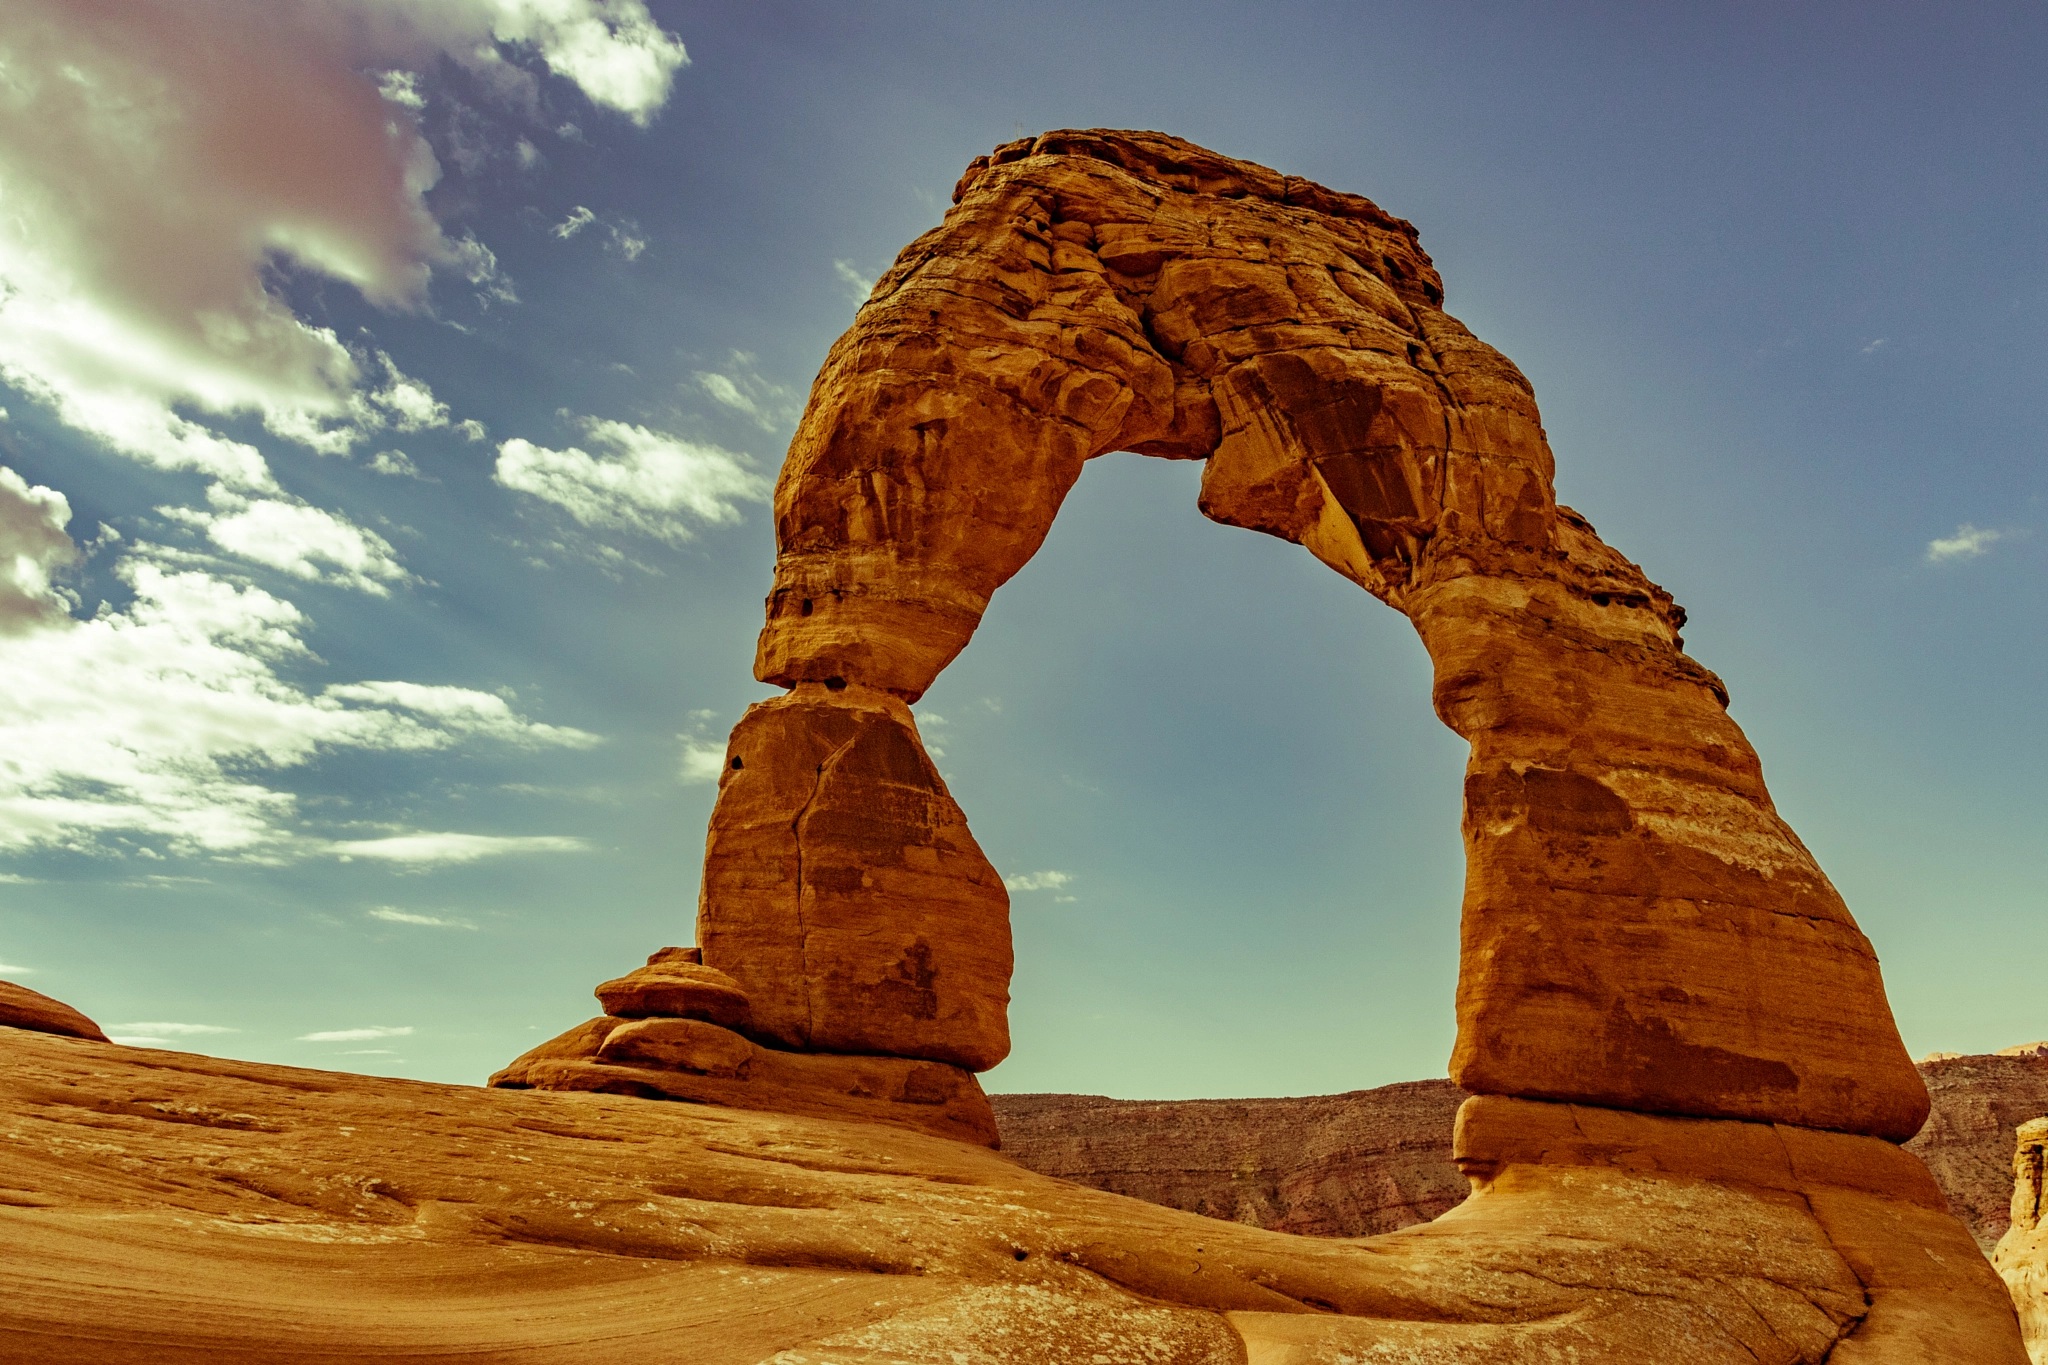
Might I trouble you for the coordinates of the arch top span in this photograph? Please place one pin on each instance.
(1640, 929)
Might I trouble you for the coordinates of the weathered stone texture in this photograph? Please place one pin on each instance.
(21, 1007)
(1641, 929)
(2022, 1255)
(1353, 1165)
(843, 890)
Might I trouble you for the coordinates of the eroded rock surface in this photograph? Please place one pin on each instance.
(165, 1208)
(1351, 1165)
(1641, 930)
(2022, 1255)
(23, 1008)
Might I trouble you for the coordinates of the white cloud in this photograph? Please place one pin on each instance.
(33, 545)
(451, 848)
(156, 720)
(739, 386)
(397, 464)
(164, 1030)
(354, 1035)
(10, 969)
(579, 218)
(1967, 543)
(649, 483)
(702, 760)
(303, 541)
(1874, 347)
(393, 915)
(1037, 881)
(171, 156)
(858, 286)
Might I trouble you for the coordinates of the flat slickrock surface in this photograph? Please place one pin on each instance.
(173, 1209)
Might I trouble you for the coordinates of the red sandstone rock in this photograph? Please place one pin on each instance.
(1641, 929)
(2022, 1255)
(700, 1062)
(843, 890)
(21, 1007)
(1979, 1102)
(672, 987)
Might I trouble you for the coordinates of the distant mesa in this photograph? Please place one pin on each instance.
(21, 1007)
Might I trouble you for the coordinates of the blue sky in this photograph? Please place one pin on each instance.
(392, 392)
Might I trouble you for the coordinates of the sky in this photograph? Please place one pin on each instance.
(393, 391)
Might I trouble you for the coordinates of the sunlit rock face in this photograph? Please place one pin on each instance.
(2022, 1255)
(1641, 929)
(1686, 1086)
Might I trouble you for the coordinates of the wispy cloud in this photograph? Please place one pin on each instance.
(858, 286)
(160, 1033)
(739, 386)
(703, 755)
(1037, 881)
(1874, 347)
(156, 719)
(354, 1035)
(391, 914)
(296, 538)
(649, 482)
(12, 969)
(450, 848)
(621, 235)
(1967, 543)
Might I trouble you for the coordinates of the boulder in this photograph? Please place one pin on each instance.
(673, 986)
(21, 1007)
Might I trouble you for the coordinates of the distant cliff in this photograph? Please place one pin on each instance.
(1370, 1161)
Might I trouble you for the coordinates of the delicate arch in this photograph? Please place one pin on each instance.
(1640, 929)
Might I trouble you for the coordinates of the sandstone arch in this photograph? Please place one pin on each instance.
(1687, 1080)
(1640, 929)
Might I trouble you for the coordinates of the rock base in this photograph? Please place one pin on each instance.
(700, 1062)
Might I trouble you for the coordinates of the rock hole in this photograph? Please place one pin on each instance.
(806, 609)
(736, 763)
(1020, 1253)
(835, 684)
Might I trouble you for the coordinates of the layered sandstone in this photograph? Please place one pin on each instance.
(1372, 1161)
(678, 1030)
(2022, 1255)
(1352, 1165)
(1641, 929)
(1686, 1080)
(21, 1007)
(165, 1208)
(1979, 1103)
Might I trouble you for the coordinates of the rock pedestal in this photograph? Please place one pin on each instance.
(2022, 1255)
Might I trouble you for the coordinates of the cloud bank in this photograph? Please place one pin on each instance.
(152, 724)
(162, 161)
